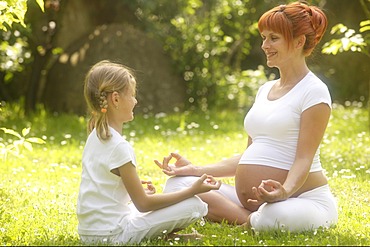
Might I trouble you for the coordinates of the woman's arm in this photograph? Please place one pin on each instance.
(223, 168)
(313, 125)
(147, 202)
(183, 167)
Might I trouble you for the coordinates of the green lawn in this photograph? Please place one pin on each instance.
(39, 190)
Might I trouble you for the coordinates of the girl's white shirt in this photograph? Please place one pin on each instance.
(103, 199)
(274, 125)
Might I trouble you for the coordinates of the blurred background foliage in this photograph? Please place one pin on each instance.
(212, 46)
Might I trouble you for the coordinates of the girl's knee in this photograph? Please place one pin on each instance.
(178, 183)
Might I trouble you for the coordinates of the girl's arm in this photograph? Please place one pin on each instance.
(145, 202)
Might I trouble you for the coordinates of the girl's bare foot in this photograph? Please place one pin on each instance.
(186, 236)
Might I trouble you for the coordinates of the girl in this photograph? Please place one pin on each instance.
(109, 179)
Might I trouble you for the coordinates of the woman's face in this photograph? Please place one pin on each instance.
(276, 49)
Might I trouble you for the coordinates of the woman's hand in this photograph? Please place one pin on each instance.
(205, 183)
(182, 166)
(150, 189)
(268, 191)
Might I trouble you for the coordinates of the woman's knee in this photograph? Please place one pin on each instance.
(286, 215)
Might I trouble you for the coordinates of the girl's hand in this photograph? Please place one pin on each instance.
(150, 189)
(182, 166)
(268, 191)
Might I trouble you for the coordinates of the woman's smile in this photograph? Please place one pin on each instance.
(269, 55)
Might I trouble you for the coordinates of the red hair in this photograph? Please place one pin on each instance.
(293, 20)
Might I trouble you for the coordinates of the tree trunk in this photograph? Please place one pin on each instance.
(4, 94)
(34, 82)
(43, 27)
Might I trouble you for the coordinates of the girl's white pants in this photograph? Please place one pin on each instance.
(139, 226)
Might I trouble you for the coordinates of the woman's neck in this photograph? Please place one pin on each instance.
(292, 75)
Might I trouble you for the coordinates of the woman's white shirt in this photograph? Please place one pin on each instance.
(274, 125)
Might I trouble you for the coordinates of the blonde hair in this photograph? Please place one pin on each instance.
(103, 78)
(295, 19)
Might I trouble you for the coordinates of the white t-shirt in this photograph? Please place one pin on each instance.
(103, 199)
(274, 125)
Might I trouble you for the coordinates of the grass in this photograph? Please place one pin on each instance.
(38, 191)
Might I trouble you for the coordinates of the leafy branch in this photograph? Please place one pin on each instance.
(350, 40)
(16, 147)
(13, 11)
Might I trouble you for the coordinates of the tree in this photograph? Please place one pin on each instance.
(13, 11)
(13, 46)
(350, 40)
(213, 44)
(209, 41)
(43, 25)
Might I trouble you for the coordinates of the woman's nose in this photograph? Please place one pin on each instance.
(264, 45)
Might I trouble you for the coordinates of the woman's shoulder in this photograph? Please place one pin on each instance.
(314, 91)
(312, 83)
(313, 80)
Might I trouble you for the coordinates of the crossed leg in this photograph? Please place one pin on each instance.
(223, 204)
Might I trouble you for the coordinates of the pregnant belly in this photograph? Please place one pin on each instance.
(248, 176)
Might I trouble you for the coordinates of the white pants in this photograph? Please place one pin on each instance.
(139, 226)
(308, 211)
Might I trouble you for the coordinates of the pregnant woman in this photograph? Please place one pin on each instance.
(279, 180)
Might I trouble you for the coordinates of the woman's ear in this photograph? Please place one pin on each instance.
(300, 41)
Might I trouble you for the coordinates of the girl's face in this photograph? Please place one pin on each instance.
(127, 104)
(276, 49)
